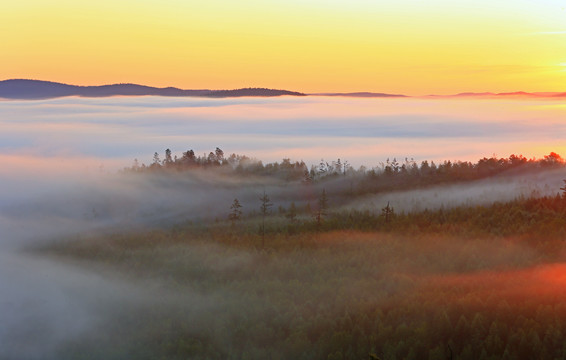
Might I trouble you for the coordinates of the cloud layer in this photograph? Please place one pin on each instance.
(363, 131)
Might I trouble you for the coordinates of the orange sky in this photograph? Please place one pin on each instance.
(413, 47)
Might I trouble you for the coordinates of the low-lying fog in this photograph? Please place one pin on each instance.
(362, 131)
(59, 160)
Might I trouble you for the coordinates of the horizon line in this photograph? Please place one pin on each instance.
(361, 93)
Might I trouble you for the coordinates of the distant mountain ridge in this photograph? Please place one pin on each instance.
(38, 89)
(23, 89)
(362, 94)
(515, 94)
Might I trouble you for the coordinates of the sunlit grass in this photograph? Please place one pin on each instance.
(308, 293)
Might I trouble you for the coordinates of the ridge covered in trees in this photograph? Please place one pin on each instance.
(406, 174)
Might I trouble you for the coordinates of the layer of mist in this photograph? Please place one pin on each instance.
(60, 185)
(362, 131)
(482, 192)
(46, 303)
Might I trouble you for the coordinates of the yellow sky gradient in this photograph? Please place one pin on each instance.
(406, 46)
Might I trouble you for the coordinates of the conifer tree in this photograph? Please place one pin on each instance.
(322, 207)
(156, 160)
(387, 212)
(292, 212)
(236, 211)
(265, 209)
(168, 158)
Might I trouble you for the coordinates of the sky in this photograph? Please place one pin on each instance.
(413, 47)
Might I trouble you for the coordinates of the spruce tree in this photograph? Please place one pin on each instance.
(265, 209)
(236, 211)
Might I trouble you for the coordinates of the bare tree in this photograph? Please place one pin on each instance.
(345, 167)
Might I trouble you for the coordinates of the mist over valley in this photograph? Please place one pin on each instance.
(400, 228)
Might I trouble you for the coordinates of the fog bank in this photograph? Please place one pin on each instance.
(59, 160)
(362, 131)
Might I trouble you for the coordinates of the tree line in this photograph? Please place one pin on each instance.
(388, 175)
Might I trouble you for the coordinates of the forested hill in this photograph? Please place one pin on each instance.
(362, 94)
(252, 92)
(37, 89)
(389, 176)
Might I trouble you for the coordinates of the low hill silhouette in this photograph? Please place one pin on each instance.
(362, 94)
(515, 94)
(25, 89)
(38, 89)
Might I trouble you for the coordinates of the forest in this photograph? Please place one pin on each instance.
(405, 260)
(408, 173)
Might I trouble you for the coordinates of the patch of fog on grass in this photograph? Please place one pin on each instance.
(481, 192)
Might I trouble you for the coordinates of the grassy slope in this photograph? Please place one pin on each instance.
(447, 281)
